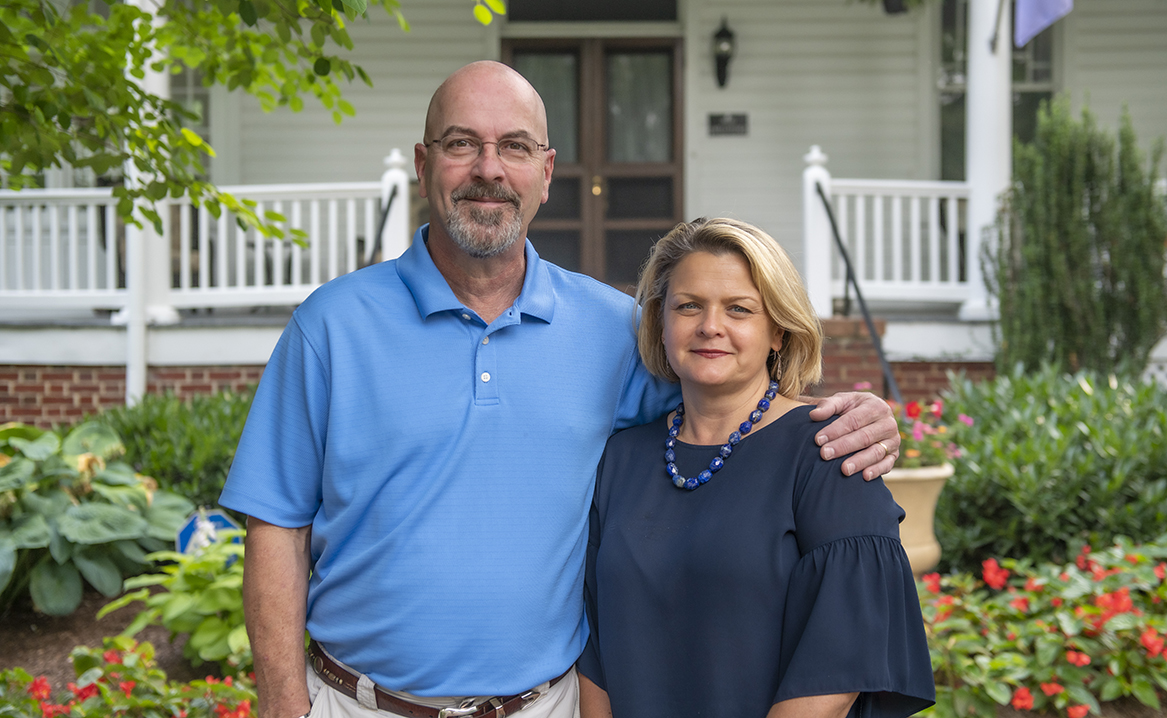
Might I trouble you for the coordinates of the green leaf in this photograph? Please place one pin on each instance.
(38, 450)
(117, 474)
(1145, 692)
(322, 66)
(238, 641)
(482, 14)
(30, 531)
(497, 6)
(132, 552)
(211, 631)
(998, 691)
(93, 438)
(176, 605)
(192, 137)
(100, 523)
(55, 588)
(60, 548)
(357, 7)
(7, 560)
(123, 601)
(247, 12)
(1110, 690)
(99, 570)
(16, 473)
(166, 514)
(23, 431)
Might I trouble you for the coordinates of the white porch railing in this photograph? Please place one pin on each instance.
(66, 248)
(908, 240)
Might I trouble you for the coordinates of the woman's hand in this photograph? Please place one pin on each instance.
(593, 700)
(865, 425)
(829, 706)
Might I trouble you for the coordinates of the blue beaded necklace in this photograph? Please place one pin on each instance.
(722, 454)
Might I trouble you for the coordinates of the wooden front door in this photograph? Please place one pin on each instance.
(614, 119)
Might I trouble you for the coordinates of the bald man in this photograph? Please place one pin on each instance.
(419, 459)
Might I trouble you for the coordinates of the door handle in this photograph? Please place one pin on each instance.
(597, 186)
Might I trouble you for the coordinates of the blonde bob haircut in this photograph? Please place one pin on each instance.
(799, 362)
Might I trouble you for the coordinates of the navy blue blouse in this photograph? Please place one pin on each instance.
(777, 579)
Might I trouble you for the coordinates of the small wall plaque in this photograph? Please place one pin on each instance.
(729, 125)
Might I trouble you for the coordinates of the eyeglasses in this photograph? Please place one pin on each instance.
(513, 151)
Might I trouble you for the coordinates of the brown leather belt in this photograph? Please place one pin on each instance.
(345, 681)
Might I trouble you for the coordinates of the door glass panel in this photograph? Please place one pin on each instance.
(562, 200)
(633, 197)
(625, 251)
(557, 246)
(555, 75)
(640, 106)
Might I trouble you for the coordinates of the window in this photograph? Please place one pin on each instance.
(1033, 81)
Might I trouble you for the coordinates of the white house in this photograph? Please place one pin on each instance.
(646, 137)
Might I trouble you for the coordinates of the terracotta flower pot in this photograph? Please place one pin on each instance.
(916, 491)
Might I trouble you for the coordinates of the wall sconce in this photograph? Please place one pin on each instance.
(723, 48)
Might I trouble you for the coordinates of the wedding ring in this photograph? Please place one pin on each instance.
(886, 451)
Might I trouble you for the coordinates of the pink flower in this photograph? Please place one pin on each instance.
(1022, 699)
(918, 431)
(937, 407)
(965, 419)
(863, 386)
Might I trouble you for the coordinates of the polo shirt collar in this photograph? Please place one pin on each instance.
(432, 293)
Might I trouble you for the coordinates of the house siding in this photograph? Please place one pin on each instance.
(1115, 53)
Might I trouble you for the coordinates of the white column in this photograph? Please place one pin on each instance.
(816, 233)
(395, 237)
(988, 136)
(147, 264)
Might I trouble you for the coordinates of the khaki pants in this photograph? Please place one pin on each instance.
(560, 701)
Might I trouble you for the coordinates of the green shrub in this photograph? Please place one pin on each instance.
(1078, 271)
(121, 680)
(1050, 638)
(203, 597)
(1053, 459)
(186, 444)
(69, 511)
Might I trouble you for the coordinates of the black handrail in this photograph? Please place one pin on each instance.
(852, 280)
(381, 225)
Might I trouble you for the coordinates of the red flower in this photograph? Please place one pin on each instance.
(1032, 585)
(211, 679)
(1064, 576)
(1055, 601)
(228, 681)
(912, 409)
(1052, 689)
(1161, 571)
(1132, 559)
(112, 656)
(937, 407)
(943, 613)
(994, 575)
(1011, 636)
(1022, 699)
(931, 582)
(1077, 711)
(40, 688)
(1082, 560)
(49, 710)
(1021, 604)
(127, 687)
(1078, 659)
(1152, 642)
(82, 693)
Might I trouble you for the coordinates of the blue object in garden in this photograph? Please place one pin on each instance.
(201, 529)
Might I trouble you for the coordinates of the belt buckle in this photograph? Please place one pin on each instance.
(466, 708)
(530, 697)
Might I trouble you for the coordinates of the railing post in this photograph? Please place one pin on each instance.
(816, 233)
(395, 236)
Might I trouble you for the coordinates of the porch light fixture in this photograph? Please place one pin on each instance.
(723, 48)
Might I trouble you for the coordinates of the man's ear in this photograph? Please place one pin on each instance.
(420, 157)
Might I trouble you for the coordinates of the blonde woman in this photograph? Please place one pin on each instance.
(730, 572)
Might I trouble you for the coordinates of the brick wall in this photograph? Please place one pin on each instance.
(47, 395)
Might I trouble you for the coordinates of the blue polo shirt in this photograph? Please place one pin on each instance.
(446, 467)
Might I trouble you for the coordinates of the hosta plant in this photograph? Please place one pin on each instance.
(121, 680)
(1050, 638)
(70, 512)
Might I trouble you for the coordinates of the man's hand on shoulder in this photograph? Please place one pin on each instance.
(865, 426)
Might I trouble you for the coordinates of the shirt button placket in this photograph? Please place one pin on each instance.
(486, 375)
